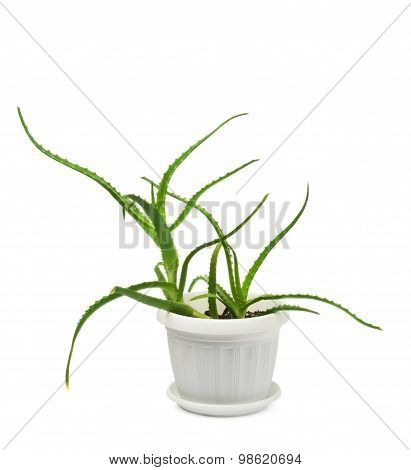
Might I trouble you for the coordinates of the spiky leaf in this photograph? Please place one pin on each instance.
(137, 215)
(311, 297)
(212, 284)
(168, 305)
(282, 308)
(161, 277)
(263, 255)
(103, 301)
(192, 201)
(165, 240)
(237, 279)
(163, 186)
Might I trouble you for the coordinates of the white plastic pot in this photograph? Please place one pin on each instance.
(222, 367)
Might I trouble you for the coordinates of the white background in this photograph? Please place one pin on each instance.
(164, 73)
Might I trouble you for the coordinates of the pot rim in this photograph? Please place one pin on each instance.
(233, 326)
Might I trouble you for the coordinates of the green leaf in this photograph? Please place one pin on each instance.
(179, 308)
(212, 283)
(159, 273)
(103, 301)
(237, 280)
(153, 196)
(163, 187)
(190, 204)
(259, 261)
(202, 277)
(282, 308)
(311, 297)
(165, 240)
(161, 277)
(221, 292)
(134, 212)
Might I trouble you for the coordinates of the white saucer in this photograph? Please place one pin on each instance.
(213, 409)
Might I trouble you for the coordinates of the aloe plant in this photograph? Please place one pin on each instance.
(171, 276)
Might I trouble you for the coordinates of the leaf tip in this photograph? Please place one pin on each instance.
(236, 116)
(20, 114)
(67, 379)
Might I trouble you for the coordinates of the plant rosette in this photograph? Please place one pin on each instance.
(223, 367)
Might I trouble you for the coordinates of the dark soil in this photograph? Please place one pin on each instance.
(226, 315)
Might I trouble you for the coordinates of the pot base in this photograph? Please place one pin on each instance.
(213, 409)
